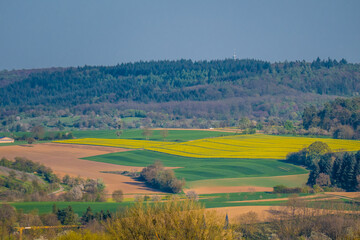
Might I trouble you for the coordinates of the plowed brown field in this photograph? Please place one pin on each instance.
(65, 159)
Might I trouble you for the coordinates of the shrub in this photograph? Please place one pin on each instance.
(159, 177)
(118, 196)
(344, 132)
(175, 219)
(284, 189)
(192, 195)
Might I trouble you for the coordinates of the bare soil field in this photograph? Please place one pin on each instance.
(65, 159)
(263, 213)
(230, 189)
(311, 197)
(345, 194)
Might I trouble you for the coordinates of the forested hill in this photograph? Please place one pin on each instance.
(215, 89)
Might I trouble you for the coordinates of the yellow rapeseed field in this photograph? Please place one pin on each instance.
(238, 146)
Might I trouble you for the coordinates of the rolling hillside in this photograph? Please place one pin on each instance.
(162, 91)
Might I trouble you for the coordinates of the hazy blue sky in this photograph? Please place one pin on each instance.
(46, 33)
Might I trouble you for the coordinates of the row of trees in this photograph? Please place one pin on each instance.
(39, 132)
(164, 179)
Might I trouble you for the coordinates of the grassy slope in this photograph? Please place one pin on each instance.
(194, 169)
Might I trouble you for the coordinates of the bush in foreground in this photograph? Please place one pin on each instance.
(170, 220)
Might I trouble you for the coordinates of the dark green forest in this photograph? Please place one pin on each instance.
(340, 117)
(163, 91)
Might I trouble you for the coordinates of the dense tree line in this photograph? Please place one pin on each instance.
(329, 169)
(340, 117)
(164, 179)
(337, 170)
(220, 89)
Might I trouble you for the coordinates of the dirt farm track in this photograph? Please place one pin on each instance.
(65, 159)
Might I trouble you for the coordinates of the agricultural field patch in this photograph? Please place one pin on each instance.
(250, 146)
(194, 169)
(66, 159)
(245, 199)
(288, 180)
(257, 146)
(173, 135)
(78, 207)
(209, 201)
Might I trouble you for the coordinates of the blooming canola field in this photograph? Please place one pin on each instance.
(257, 146)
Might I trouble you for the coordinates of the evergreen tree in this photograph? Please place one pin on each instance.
(54, 209)
(337, 171)
(348, 173)
(67, 216)
(326, 163)
(314, 174)
(87, 216)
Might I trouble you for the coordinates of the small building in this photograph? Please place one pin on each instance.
(6, 140)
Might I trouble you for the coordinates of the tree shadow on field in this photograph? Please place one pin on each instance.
(143, 186)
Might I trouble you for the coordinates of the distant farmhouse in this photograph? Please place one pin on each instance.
(6, 140)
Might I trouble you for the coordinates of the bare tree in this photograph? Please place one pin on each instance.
(192, 195)
(164, 133)
(118, 196)
(147, 133)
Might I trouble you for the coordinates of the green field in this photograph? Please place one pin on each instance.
(194, 169)
(209, 201)
(288, 180)
(174, 135)
(79, 207)
(234, 199)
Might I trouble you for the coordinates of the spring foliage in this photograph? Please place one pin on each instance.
(159, 177)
